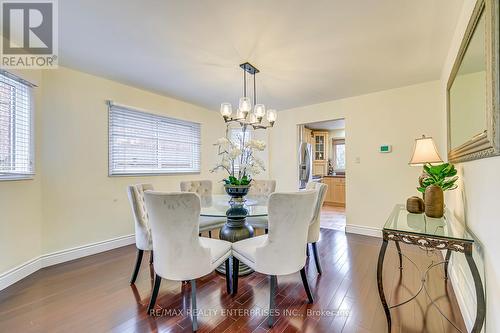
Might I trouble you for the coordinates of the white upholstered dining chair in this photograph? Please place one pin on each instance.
(260, 188)
(143, 240)
(204, 189)
(283, 250)
(314, 226)
(179, 253)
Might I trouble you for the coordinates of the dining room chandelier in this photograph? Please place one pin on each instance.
(244, 114)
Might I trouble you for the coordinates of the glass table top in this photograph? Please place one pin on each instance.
(420, 224)
(217, 205)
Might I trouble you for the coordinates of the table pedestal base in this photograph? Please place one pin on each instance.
(235, 229)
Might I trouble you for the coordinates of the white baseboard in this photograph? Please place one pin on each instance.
(31, 266)
(464, 294)
(85, 250)
(20, 272)
(363, 230)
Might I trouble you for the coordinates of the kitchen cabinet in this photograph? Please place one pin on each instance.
(320, 168)
(320, 152)
(335, 194)
(320, 146)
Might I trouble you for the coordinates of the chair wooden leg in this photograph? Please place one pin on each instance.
(209, 233)
(151, 258)
(154, 295)
(306, 285)
(266, 231)
(138, 260)
(236, 269)
(272, 300)
(316, 258)
(228, 277)
(194, 313)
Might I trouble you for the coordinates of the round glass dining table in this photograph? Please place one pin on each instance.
(218, 205)
(236, 213)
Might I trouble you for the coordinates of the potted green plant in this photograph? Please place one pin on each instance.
(435, 180)
(239, 161)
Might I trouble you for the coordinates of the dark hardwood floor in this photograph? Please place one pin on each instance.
(93, 295)
(333, 217)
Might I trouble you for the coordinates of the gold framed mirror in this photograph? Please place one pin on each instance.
(473, 89)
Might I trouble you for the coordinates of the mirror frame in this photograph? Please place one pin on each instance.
(486, 144)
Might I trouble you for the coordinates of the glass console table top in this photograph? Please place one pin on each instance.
(420, 224)
(217, 205)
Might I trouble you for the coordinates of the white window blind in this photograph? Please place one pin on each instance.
(145, 143)
(16, 128)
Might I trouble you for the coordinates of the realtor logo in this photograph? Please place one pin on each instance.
(29, 34)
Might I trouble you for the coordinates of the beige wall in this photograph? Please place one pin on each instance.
(82, 204)
(476, 203)
(20, 203)
(378, 181)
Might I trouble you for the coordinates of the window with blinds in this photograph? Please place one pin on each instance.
(145, 143)
(339, 155)
(16, 128)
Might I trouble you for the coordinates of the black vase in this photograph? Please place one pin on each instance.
(237, 192)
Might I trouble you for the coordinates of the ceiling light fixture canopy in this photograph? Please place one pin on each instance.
(244, 114)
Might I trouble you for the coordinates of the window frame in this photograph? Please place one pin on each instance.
(159, 172)
(31, 146)
(335, 143)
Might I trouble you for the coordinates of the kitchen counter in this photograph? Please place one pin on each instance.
(335, 176)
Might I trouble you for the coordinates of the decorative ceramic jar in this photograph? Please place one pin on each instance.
(434, 201)
(415, 205)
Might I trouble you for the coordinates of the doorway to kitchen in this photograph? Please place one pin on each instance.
(322, 158)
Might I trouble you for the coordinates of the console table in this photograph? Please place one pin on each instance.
(429, 234)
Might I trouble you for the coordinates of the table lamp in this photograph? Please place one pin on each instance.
(424, 152)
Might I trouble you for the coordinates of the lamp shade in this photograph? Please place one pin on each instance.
(252, 118)
(271, 115)
(259, 110)
(226, 109)
(240, 114)
(425, 151)
(245, 104)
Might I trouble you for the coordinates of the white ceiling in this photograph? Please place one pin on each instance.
(308, 51)
(328, 125)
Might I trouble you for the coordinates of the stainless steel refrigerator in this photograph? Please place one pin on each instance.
(305, 164)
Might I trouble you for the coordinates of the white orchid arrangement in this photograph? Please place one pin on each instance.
(239, 153)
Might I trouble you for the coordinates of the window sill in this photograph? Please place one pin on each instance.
(153, 174)
(16, 178)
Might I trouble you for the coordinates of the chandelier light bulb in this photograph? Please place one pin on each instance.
(245, 104)
(226, 109)
(259, 110)
(271, 115)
